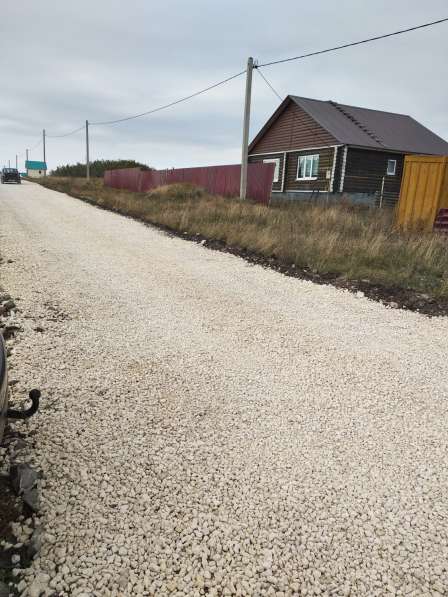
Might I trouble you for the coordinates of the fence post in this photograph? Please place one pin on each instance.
(382, 192)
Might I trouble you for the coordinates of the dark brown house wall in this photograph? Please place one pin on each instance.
(293, 129)
(277, 186)
(322, 183)
(365, 170)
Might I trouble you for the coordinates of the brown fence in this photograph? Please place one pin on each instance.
(217, 180)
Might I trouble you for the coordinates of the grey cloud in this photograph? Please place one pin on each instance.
(65, 62)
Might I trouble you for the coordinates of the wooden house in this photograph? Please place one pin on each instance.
(325, 147)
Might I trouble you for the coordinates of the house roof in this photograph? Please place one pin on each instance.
(33, 165)
(363, 127)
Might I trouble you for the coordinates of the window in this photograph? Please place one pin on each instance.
(391, 167)
(308, 167)
(275, 161)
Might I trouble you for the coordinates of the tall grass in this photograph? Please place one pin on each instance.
(351, 242)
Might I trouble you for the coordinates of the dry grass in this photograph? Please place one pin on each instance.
(355, 243)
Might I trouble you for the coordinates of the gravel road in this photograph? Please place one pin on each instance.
(211, 427)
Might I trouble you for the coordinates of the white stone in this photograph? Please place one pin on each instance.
(206, 424)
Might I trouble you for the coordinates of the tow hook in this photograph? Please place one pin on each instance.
(34, 396)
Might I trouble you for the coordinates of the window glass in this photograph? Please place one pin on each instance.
(308, 166)
(391, 167)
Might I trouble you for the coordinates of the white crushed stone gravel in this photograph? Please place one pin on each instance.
(210, 427)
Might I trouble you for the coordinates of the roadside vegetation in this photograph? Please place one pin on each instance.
(97, 168)
(337, 242)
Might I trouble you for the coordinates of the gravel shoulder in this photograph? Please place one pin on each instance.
(212, 427)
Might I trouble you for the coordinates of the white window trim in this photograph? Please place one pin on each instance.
(395, 168)
(284, 171)
(343, 169)
(298, 166)
(333, 169)
(299, 149)
(275, 161)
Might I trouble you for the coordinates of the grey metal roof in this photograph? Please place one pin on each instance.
(372, 128)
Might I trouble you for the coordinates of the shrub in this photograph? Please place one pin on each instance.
(97, 168)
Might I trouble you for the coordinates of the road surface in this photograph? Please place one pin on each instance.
(212, 427)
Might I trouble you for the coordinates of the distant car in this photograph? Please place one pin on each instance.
(10, 175)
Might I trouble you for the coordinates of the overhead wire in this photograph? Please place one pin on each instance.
(35, 146)
(355, 43)
(269, 84)
(183, 99)
(257, 67)
(65, 134)
(164, 107)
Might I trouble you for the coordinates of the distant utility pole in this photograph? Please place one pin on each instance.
(27, 150)
(43, 139)
(16, 163)
(9, 163)
(87, 151)
(244, 156)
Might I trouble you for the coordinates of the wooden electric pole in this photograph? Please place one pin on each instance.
(246, 124)
(45, 159)
(87, 151)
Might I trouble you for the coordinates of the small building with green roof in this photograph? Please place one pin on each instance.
(35, 169)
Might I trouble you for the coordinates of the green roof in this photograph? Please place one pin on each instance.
(32, 165)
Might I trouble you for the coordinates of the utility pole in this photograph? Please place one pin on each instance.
(26, 162)
(244, 156)
(27, 150)
(43, 139)
(16, 163)
(87, 151)
(9, 163)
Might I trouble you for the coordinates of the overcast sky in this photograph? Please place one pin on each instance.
(62, 62)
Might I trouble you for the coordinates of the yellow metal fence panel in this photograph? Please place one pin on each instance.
(424, 190)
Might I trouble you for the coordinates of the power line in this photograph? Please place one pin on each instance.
(257, 67)
(183, 99)
(35, 146)
(65, 134)
(355, 43)
(269, 85)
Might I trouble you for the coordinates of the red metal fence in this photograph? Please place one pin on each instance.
(217, 180)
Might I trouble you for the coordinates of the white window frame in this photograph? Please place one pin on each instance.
(311, 157)
(275, 161)
(389, 172)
